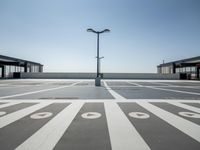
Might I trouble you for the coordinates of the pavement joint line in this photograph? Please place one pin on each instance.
(112, 92)
(123, 134)
(185, 106)
(12, 117)
(48, 136)
(174, 120)
(39, 91)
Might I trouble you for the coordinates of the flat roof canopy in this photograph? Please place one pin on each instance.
(5, 60)
(194, 61)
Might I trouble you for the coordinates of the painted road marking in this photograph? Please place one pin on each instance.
(195, 104)
(7, 119)
(123, 134)
(39, 91)
(8, 104)
(2, 113)
(139, 85)
(16, 133)
(112, 92)
(162, 84)
(91, 115)
(159, 85)
(171, 90)
(185, 106)
(189, 128)
(121, 86)
(41, 115)
(175, 110)
(139, 115)
(86, 134)
(158, 134)
(188, 101)
(115, 121)
(47, 137)
(14, 108)
(189, 114)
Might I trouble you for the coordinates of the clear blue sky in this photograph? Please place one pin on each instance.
(143, 33)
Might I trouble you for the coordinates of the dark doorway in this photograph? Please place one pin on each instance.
(1, 71)
(198, 72)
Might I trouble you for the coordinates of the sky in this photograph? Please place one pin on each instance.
(143, 33)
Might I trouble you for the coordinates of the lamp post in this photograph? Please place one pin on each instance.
(98, 77)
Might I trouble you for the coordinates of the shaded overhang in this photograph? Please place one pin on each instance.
(188, 64)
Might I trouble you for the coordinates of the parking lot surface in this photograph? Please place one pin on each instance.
(121, 114)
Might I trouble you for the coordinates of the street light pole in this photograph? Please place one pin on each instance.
(98, 78)
(98, 55)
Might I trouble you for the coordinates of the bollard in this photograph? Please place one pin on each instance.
(98, 81)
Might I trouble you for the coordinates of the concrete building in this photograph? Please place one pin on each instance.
(10, 67)
(187, 68)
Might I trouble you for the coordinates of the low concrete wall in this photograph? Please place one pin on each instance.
(51, 75)
(141, 76)
(105, 76)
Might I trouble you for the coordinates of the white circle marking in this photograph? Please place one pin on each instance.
(91, 115)
(189, 114)
(41, 115)
(2, 113)
(139, 115)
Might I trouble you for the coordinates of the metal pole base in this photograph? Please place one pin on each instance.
(98, 81)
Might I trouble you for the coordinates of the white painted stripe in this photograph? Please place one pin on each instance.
(12, 117)
(175, 86)
(170, 85)
(139, 85)
(8, 104)
(19, 86)
(112, 92)
(191, 108)
(161, 84)
(171, 90)
(98, 100)
(39, 91)
(187, 127)
(193, 87)
(121, 86)
(123, 134)
(4, 84)
(47, 137)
